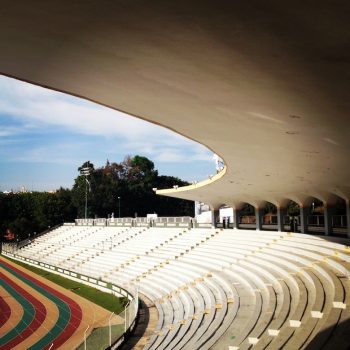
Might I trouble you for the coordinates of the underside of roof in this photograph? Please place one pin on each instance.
(265, 85)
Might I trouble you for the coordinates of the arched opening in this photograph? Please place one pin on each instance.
(339, 218)
(269, 217)
(290, 217)
(315, 218)
(260, 216)
(226, 218)
(246, 217)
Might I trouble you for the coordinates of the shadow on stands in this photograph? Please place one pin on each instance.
(139, 330)
(335, 338)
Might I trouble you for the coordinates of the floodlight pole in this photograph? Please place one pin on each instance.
(85, 199)
(119, 206)
(85, 172)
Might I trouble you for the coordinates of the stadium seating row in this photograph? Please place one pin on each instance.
(218, 289)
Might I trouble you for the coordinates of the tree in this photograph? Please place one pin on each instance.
(132, 180)
(26, 213)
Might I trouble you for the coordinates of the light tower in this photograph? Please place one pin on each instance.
(85, 171)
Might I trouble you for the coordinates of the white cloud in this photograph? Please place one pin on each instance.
(55, 154)
(52, 133)
(9, 131)
(37, 105)
(176, 155)
(34, 110)
(39, 108)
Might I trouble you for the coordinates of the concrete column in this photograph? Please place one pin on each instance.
(348, 215)
(303, 219)
(214, 217)
(281, 212)
(328, 213)
(259, 213)
(236, 215)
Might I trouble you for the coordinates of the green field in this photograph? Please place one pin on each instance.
(105, 300)
(98, 339)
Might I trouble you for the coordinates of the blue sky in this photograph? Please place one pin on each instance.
(46, 135)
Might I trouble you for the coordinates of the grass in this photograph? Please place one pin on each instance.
(99, 338)
(105, 300)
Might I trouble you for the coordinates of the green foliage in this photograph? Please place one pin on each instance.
(293, 208)
(270, 208)
(133, 181)
(247, 209)
(99, 338)
(26, 213)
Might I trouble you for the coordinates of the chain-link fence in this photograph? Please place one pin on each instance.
(113, 329)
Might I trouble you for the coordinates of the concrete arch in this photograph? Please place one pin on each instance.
(239, 204)
(283, 202)
(325, 197)
(307, 201)
(342, 191)
(336, 215)
(270, 206)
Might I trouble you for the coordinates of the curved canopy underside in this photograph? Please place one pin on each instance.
(263, 84)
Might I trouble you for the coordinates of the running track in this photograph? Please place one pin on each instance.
(34, 311)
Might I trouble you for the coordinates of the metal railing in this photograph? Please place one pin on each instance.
(173, 219)
(247, 219)
(139, 221)
(315, 220)
(339, 221)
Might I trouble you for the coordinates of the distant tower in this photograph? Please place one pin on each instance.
(85, 171)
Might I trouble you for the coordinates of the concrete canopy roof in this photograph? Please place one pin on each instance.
(265, 85)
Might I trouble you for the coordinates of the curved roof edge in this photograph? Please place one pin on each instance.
(182, 192)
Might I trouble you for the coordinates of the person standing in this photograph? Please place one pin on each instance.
(292, 224)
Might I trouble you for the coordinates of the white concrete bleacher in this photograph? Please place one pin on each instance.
(218, 289)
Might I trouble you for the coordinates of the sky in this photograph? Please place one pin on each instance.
(46, 135)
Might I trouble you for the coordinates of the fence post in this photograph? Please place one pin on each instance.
(125, 319)
(137, 301)
(110, 329)
(85, 337)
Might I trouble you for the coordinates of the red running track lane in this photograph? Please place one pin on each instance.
(5, 312)
(75, 315)
(40, 314)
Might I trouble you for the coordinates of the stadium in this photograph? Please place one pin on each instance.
(263, 85)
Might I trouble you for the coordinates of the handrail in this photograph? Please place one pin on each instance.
(26, 241)
(110, 330)
(85, 336)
